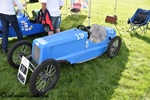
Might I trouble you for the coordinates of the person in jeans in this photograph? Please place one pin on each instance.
(8, 16)
(45, 19)
(53, 7)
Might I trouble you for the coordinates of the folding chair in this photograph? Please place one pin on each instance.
(139, 21)
(75, 9)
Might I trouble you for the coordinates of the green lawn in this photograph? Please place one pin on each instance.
(125, 77)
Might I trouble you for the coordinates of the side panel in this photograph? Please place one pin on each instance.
(26, 27)
(95, 49)
(68, 45)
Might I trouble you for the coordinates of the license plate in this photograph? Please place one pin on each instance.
(23, 70)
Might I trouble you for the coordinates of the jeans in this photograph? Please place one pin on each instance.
(6, 20)
(56, 21)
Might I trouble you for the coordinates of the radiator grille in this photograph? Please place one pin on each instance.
(36, 53)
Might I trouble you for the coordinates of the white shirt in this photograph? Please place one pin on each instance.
(7, 6)
(53, 6)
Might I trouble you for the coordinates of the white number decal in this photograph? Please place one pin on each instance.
(80, 36)
(87, 44)
(77, 37)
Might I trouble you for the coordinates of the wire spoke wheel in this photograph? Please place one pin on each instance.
(114, 47)
(19, 49)
(44, 77)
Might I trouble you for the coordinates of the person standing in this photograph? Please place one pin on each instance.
(8, 16)
(53, 7)
(44, 18)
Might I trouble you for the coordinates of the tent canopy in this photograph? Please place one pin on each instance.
(84, 3)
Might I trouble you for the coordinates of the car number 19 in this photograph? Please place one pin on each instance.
(80, 36)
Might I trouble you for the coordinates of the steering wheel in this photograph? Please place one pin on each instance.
(26, 14)
(18, 12)
(82, 27)
(23, 12)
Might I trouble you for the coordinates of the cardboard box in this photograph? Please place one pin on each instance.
(111, 19)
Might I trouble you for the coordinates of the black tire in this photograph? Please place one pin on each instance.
(19, 49)
(114, 47)
(47, 75)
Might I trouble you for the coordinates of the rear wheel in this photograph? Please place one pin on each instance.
(19, 49)
(44, 77)
(114, 47)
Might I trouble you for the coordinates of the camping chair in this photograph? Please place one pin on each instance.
(139, 20)
(75, 9)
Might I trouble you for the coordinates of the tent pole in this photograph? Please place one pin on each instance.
(115, 7)
(89, 13)
(66, 7)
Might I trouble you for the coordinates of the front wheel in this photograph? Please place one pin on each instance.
(19, 49)
(44, 77)
(114, 47)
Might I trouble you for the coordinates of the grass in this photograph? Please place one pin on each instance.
(125, 77)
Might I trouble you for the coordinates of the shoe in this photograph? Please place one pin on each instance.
(4, 51)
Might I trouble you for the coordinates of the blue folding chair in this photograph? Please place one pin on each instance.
(139, 20)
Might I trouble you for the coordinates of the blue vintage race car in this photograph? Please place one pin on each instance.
(28, 26)
(45, 55)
